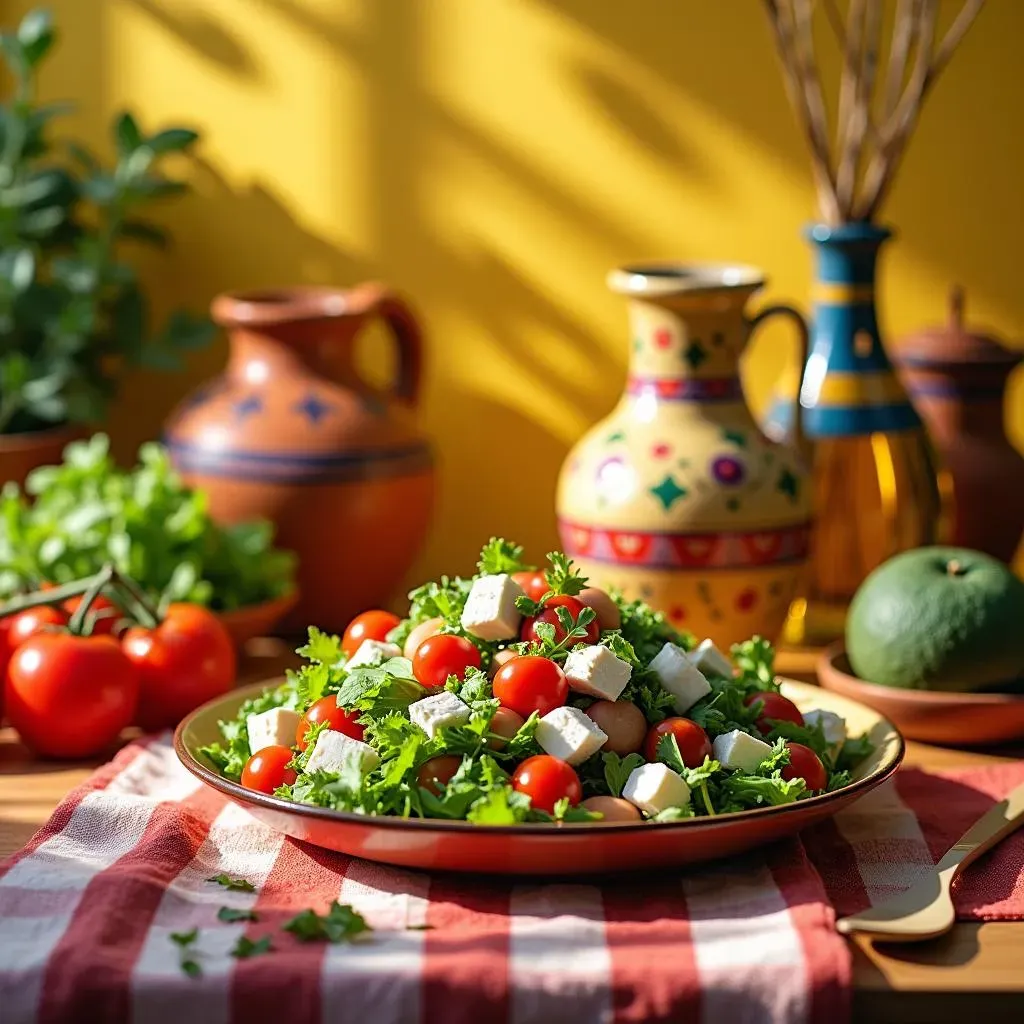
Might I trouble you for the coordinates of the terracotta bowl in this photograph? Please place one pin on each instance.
(947, 719)
(257, 619)
(538, 849)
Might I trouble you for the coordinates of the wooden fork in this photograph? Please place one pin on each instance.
(926, 910)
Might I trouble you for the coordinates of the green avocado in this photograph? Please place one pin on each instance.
(938, 619)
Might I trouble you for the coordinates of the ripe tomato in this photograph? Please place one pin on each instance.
(326, 710)
(805, 764)
(70, 696)
(436, 773)
(533, 583)
(32, 621)
(549, 614)
(505, 723)
(441, 656)
(531, 683)
(693, 741)
(420, 633)
(183, 662)
(775, 707)
(266, 770)
(374, 625)
(546, 780)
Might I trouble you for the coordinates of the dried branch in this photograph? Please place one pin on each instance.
(781, 17)
(954, 37)
(860, 121)
(899, 53)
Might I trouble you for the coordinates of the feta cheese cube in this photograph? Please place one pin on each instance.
(438, 711)
(373, 652)
(333, 749)
(595, 670)
(491, 611)
(680, 677)
(570, 735)
(832, 725)
(654, 788)
(709, 659)
(738, 749)
(270, 728)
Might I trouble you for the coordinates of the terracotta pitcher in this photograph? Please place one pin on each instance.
(291, 432)
(677, 497)
(957, 380)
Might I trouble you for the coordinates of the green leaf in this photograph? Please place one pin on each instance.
(172, 140)
(82, 155)
(36, 35)
(340, 924)
(854, 750)
(230, 915)
(127, 134)
(191, 968)
(245, 947)
(233, 884)
(501, 556)
(184, 939)
(321, 647)
(502, 806)
(562, 577)
(144, 231)
(18, 268)
(618, 769)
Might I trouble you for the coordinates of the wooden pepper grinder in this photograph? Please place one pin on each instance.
(957, 380)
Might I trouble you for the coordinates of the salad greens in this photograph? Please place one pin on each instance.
(86, 513)
(482, 784)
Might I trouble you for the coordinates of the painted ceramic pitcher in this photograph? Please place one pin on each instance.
(875, 476)
(677, 497)
(291, 432)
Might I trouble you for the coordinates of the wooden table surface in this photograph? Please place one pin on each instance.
(976, 972)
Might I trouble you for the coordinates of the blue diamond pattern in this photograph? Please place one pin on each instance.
(248, 406)
(313, 408)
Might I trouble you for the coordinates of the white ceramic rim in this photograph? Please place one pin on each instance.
(661, 278)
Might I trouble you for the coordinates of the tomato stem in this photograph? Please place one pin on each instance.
(149, 617)
(40, 597)
(78, 621)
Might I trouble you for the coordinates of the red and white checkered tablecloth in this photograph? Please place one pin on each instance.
(87, 908)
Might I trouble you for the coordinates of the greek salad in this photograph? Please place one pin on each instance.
(526, 695)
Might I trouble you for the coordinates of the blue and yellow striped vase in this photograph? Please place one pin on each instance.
(876, 482)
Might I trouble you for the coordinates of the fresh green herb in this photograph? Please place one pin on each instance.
(231, 914)
(301, 757)
(574, 630)
(674, 814)
(322, 648)
(646, 630)
(501, 556)
(503, 806)
(245, 947)
(186, 940)
(853, 751)
(755, 661)
(562, 577)
(340, 924)
(233, 884)
(86, 513)
(378, 690)
(618, 769)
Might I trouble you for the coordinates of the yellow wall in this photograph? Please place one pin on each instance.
(492, 159)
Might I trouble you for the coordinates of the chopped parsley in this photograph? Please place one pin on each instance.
(233, 884)
(340, 924)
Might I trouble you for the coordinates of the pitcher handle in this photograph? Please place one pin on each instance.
(376, 299)
(796, 436)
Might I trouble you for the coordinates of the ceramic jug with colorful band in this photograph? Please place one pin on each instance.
(877, 487)
(677, 497)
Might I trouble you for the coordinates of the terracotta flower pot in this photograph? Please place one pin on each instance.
(291, 433)
(21, 453)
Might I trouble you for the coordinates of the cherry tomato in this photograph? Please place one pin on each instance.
(374, 625)
(533, 583)
(546, 780)
(5, 657)
(326, 710)
(531, 683)
(607, 611)
(44, 618)
(420, 633)
(550, 614)
(266, 770)
(436, 773)
(70, 696)
(441, 656)
(184, 661)
(775, 707)
(505, 723)
(805, 764)
(622, 722)
(614, 808)
(693, 741)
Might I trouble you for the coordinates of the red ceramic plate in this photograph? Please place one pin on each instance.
(538, 849)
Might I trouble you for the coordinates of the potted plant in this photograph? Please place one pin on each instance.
(73, 315)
